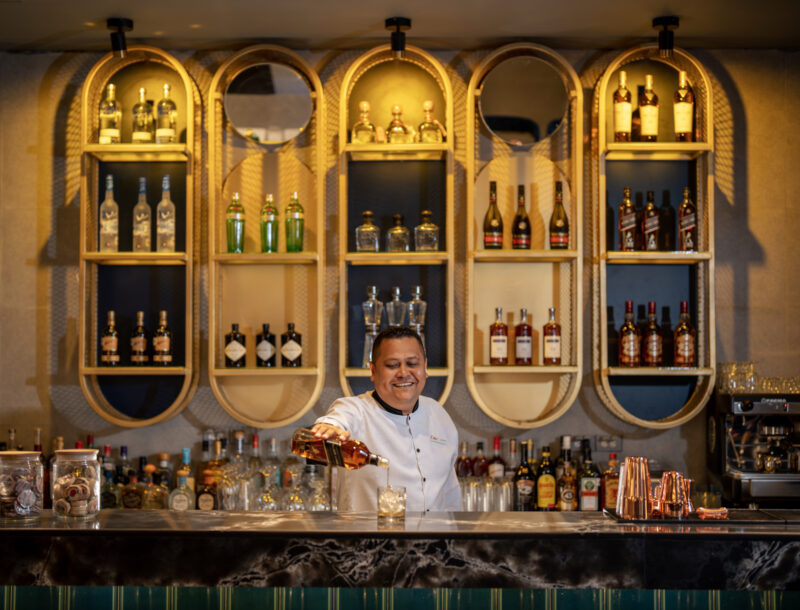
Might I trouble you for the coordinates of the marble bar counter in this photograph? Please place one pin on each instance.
(756, 550)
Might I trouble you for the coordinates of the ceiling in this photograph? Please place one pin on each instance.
(30, 25)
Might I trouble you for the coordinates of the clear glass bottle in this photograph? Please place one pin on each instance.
(182, 497)
(651, 224)
(143, 122)
(291, 347)
(628, 230)
(21, 485)
(165, 219)
(363, 131)
(156, 495)
(373, 314)
(551, 337)
(110, 114)
(687, 223)
(235, 348)
(683, 110)
(398, 238)
(294, 225)
(521, 225)
(368, 234)
(416, 313)
(109, 342)
(109, 219)
(395, 309)
(493, 222)
(426, 234)
(162, 341)
(397, 132)
(234, 226)
(498, 339)
(559, 223)
(523, 340)
(271, 469)
(269, 226)
(163, 474)
(139, 353)
(75, 484)
(166, 116)
(430, 130)
(648, 111)
(142, 222)
(623, 110)
(265, 348)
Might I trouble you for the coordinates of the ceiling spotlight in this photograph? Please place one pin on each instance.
(666, 38)
(399, 25)
(118, 27)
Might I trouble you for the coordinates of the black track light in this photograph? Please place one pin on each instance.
(118, 27)
(399, 25)
(666, 38)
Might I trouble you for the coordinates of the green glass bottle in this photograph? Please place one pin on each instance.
(234, 225)
(294, 225)
(269, 226)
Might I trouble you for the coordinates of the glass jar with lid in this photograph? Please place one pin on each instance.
(75, 483)
(21, 487)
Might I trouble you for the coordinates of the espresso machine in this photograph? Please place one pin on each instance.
(753, 449)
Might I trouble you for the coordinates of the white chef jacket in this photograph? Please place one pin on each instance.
(421, 448)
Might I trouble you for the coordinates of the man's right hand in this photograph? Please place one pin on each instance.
(327, 431)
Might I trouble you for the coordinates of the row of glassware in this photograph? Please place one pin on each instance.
(395, 315)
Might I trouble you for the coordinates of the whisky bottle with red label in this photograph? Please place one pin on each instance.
(521, 227)
(651, 224)
(493, 222)
(628, 228)
(652, 344)
(629, 340)
(687, 223)
(685, 339)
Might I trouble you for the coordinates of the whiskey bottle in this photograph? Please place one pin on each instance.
(480, 465)
(524, 483)
(559, 223)
(265, 347)
(651, 224)
(589, 482)
(498, 339)
(295, 221)
(521, 226)
(523, 340)
(463, 462)
(269, 225)
(291, 350)
(398, 238)
(551, 337)
(234, 226)
(109, 342)
(110, 115)
(165, 219)
(652, 345)
(162, 341)
(622, 110)
(648, 111)
(109, 219)
(546, 484)
(567, 488)
(235, 348)
(143, 122)
(493, 222)
(363, 131)
(626, 215)
(683, 110)
(141, 220)
(351, 454)
(426, 234)
(629, 340)
(397, 132)
(610, 484)
(497, 466)
(687, 223)
(139, 355)
(666, 224)
(166, 115)
(430, 130)
(368, 235)
(685, 340)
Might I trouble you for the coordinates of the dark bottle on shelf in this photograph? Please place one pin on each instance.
(497, 466)
(687, 223)
(641, 319)
(464, 462)
(626, 215)
(235, 348)
(546, 484)
(523, 340)
(162, 341)
(498, 339)
(480, 465)
(685, 340)
(667, 223)
(265, 347)
(639, 207)
(651, 224)
(612, 337)
(521, 227)
(559, 223)
(291, 347)
(589, 481)
(652, 344)
(524, 483)
(139, 355)
(629, 340)
(666, 337)
(109, 342)
(493, 222)
(610, 226)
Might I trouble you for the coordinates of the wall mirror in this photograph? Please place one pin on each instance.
(523, 100)
(269, 103)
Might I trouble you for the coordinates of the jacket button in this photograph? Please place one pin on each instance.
(417, 450)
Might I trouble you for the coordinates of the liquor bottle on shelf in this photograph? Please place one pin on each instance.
(480, 465)
(368, 234)
(648, 111)
(589, 481)
(463, 462)
(651, 224)
(269, 225)
(124, 469)
(182, 497)
(165, 220)
(142, 220)
(109, 342)
(235, 348)
(363, 131)
(351, 454)
(683, 109)
(565, 457)
(497, 466)
(265, 348)
(143, 122)
(524, 483)
(567, 489)
(511, 462)
(546, 484)
(234, 226)
(373, 315)
(639, 207)
(426, 234)
(629, 340)
(395, 309)
(416, 313)
(398, 238)
(272, 464)
(162, 341)
(636, 120)
(610, 484)
(132, 492)
(295, 225)
(559, 223)
(110, 493)
(139, 355)
(430, 130)
(186, 469)
(531, 456)
(652, 344)
(166, 115)
(628, 230)
(164, 470)
(523, 340)
(498, 339)
(622, 110)
(685, 340)
(207, 492)
(521, 225)
(687, 223)
(493, 222)
(397, 132)
(666, 223)
(110, 114)
(666, 337)
(109, 219)
(291, 347)
(551, 337)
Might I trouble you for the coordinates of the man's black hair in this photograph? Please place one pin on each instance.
(396, 332)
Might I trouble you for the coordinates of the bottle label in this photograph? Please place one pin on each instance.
(684, 350)
(109, 344)
(649, 117)
(205, 501)
(235, 351)
(493, 239)
(590, 493)
(234, 216)
(524, 347)
(559, 240)
(651, 227)
(110, 358)
(180, 502)
(525, 489)
(629, 349)
(268, 217)
(131, 499)
(138, 344)
(498, 347)
(162, 358)
(653, 348)
(497, 470)
(295, 215)
(552, 347)
(521, 241)
(622, 117)
(333, 452)
(291, 350)
(610, 494)
(161, 343)
(141, 136)
(688, 222)
(108, 499)
(265, 350)
(682, 113)
(165, 132)
(566, 499)
(546, 491)
(108, 135)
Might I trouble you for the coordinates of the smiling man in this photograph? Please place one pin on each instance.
(414, 432)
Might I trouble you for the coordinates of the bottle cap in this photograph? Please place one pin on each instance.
(163, 456)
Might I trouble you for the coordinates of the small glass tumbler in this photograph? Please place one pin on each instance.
(21, 491)
(75, 484)
(391, 503)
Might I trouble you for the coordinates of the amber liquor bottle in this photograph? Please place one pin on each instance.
(567, 487)
(463, 462)
(652, 344)
(559, 223)
(687, 223)
(497, 466)
(480, 465)
(523, 340)
(351, 454)
(139, 355)
(683, 110)
(162, 341)
(667, 224)
(610, 484)
(498, 339)
(622, 110)
(493, 222)
(546, 484)
(685, 339)
(626, 213)
(235, 348)
(648, 111)
(109, 342)
(291, 347)
(521, 227)
(629, 340)
(551, 336)
(651, 224)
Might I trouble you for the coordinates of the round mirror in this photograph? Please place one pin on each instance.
(269, 103)
(523, 100)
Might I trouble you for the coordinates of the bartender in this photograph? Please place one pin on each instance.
(413, 432)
